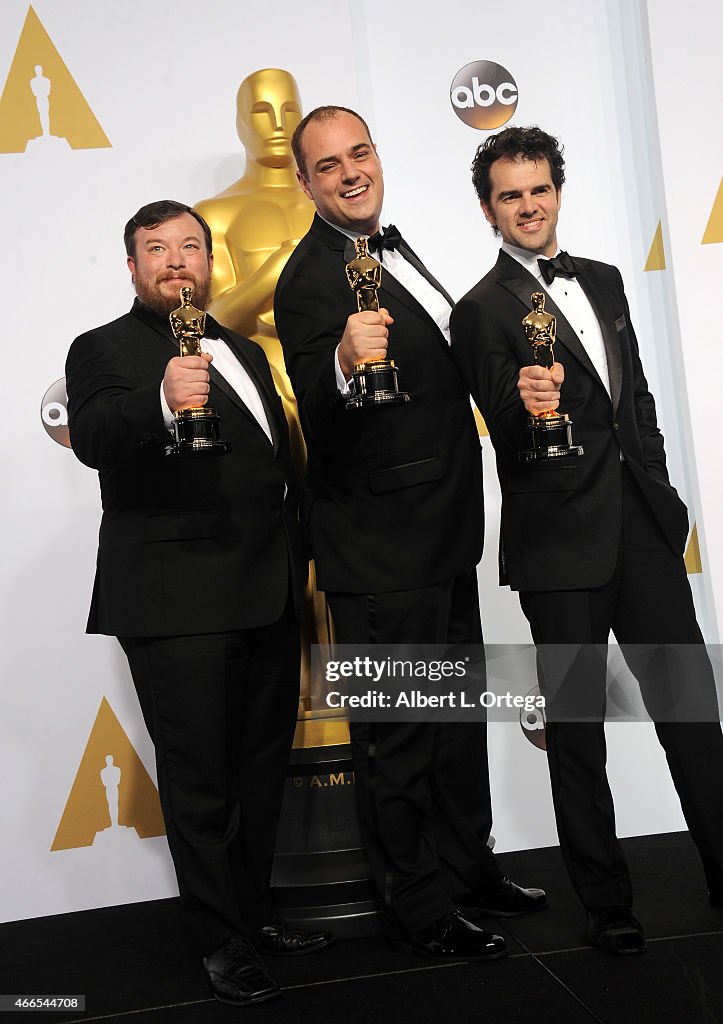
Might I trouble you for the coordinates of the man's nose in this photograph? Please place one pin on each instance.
(349, 171)
(528, 206)
(176, 259)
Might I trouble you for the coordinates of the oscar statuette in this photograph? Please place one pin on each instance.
(550, 431)
(195, 430)
(373, 382)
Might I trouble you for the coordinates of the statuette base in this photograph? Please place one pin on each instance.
(551, 438)
(375, 383)
(196, 432)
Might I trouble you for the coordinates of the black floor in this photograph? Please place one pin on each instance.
(132, 965)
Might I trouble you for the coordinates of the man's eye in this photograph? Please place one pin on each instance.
(326, 167)
(362, 154)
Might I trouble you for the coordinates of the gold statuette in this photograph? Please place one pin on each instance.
(550, 431)
(373, 382)
(195, 430)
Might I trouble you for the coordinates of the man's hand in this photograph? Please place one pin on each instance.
(365, 337)
(540, 388)
(186, 381)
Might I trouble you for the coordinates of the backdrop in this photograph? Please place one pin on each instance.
(129, 103)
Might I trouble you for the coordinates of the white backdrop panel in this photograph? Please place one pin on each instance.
(161, 80)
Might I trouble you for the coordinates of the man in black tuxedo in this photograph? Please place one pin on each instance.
(199, 575)
(394, 517)
(592, 543)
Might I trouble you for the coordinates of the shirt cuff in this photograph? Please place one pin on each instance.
(342, 385)
(168, 416)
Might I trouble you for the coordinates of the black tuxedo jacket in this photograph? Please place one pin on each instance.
(394, 494)
(187, 545)
(561, 519)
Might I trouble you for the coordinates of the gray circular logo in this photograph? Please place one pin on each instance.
(533, 722)
(54, 413)
(483, 94)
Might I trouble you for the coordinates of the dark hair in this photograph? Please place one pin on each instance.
(153, 214)
(516, 144)
(318, 114)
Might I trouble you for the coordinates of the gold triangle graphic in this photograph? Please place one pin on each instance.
(90, 804)
(481, 425)
(714, 229)
(41, 106)
(693, 563)
(656, 256)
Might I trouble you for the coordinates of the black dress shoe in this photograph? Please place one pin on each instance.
(504, 900)
(615, 930)
(237, 974)
(277, 939)
(453, 937)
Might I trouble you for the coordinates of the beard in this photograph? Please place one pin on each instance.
(150, 294)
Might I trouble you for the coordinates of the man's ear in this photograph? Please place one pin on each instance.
(131, 264)
(304, 185)
(489, 216)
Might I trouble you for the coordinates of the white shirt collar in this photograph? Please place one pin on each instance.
(526, 258)
(343, 231)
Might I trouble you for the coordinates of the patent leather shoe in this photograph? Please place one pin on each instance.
(505, 899)
(237, 974)
(453, 937)
(277, 939)
(616, 931)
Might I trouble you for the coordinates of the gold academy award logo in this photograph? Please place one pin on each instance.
(41, 108)
(113, 799)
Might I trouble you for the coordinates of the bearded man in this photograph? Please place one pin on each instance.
(200, 574)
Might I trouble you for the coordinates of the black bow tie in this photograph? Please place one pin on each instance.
(390, 239)
(563, 265)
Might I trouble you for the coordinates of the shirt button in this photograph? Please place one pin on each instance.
(616, 426)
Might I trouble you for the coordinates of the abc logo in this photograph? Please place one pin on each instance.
(484, 94)
(533, 723)
(54, 412)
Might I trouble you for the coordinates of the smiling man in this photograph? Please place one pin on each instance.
(199, 575)
(595, 543)
(395, 524)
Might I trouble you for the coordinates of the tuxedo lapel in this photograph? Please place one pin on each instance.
(595, 295)
(400, 293)
(512, 276)
(156, 323)
(412, 258)
(268, 400)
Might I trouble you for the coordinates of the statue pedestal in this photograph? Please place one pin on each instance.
(321, 877)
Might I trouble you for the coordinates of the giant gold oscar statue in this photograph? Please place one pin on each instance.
(256, 222)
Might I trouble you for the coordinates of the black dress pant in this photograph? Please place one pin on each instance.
(647, 602)
(422, 788)
(221, 710)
